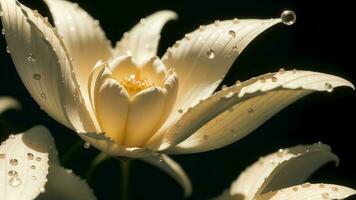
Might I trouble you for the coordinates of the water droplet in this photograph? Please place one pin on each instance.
(142, 21)
(43, 95)
(232, 33)
(305, 185)
(202, 27)
(288, 17)
(42, 190)
(36, 76)
(38, 159)
(295, 189)
(205, 137)
(263, 80)
(180, 111)
(328, 87)
(280, 153)
(274, 79)
(30, 156)
(235, 20)
(335, 189)
(15, 182)
(231, 109)
(187, 36)
(1, 13)
(13, 173)
(3, 31)
(33, 178)
(210, 53)
(2, 155)
(13, 162)
(272, 161)
(321, 185)
(250, 111)
(238, 82)
(294, 71)
(325, 195)
(177, 44)
(7, 49)
(216, 22)
(31, 57)
(223, 87)
(33, 167)
(86, 145)
(12, 136)
(281, 71)
(35, 13)
(235, 48)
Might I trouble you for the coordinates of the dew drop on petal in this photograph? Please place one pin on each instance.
(329, 87)
(36, 76)
(3, 31)
(305, 185)
(235, 48)
(280, 153)
(43, 95)
(13, 162)
(86, 145)
(295, 189)
(235, 20)
(180, 111)
(232, 33)
(33, 178)
(7, 49)
(281, 71)
(274, 79)
(335, 189)
(217, 22)
(210, 53)
(30, 156)
(187, 36)
(288, 17)
(33, 167)
(31, 57)
(38, 159)
(14, 182)
(201, 27)
(12, 173)
(12, 136)
(1, 13)
(325, 195)
(223, 87)
(238, 82)
(2, 155)
(42, 190)
(263, 80)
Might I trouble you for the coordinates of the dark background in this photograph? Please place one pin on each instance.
(321, 40)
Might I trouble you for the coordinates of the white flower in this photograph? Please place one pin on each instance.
(131, 104)
(282, 175)
(29, 169)
(7, 103)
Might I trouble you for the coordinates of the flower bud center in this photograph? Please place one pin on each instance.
(134, 83)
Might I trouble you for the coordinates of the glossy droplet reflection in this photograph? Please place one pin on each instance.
(13, 173)
(7, 49)
(2, 156)
(31, 57)
(232, 33)
(210, 53)
(30, 156)
(15, 182)
(86, 145)
(328, 87)
(288, 17)
(13, 162)
(1, 13)
(3, 31)
(37, 76)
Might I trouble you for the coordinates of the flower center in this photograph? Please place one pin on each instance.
(134, 84)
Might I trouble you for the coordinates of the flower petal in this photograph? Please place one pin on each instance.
(173, 169)
(64, 184)
(204, 56)
(24, 163)
(112, 109)
(146, 110)
(142, 40)
(43, 65)
(7, 103)
(234, 112)
(83, 37)
(284, 168)
(310, 191)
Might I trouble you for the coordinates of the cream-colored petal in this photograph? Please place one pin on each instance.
(84, 39)
(24, 163)
(204, 56)
(7, 103)
(154, 70)
(63, 184)
(234, 112)
(44, 66)
(145, 113)
(122, 67)
(310, 191)
(142, 40)
(284, 168)
(112, 109)
(173, 169)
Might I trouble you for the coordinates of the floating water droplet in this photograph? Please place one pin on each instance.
(235, 20)
(37, 76)
(274, 79)
(325, 195)
(13, 173)
(232, 33)
(86, 145)
(13, 162)
(14, 182)
(329, 87)
(2, 155)
(3, 31)
(33, 178)
(180, 111)
(38, 159)
(210, 53)
(7, 49)
(288, 17)
(30, 156)
(33, 167)
(31, 57)
(43, 95)
(201, 27)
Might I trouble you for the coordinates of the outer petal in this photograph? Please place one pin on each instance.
(234, 112)
(204, 56)
(142, 40)
(112, 108)
(173, 169)
(63, 184)
(43, 65)
(286, 167)
(146, 110)
(310, 191)
(83, 38)
(24, 163)
(7, 103)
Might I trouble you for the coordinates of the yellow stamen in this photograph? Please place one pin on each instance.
(134, 84)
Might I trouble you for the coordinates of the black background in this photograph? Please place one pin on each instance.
(321, 40)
